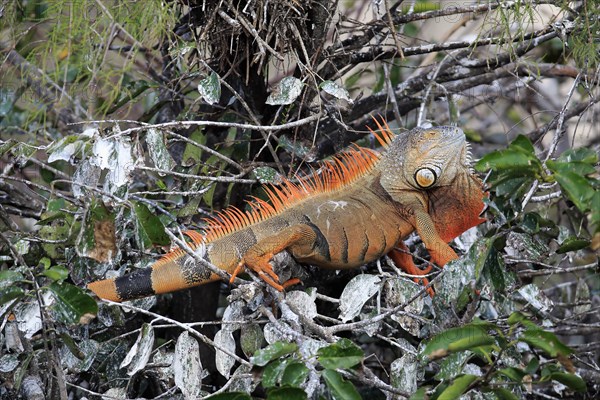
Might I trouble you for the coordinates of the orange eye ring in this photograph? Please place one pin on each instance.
(425, 177)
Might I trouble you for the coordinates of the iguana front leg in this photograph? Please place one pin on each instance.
(258, 257)
(439, 250)
(403, 259)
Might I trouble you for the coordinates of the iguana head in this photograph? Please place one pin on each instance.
(424, 159)
(431, 167)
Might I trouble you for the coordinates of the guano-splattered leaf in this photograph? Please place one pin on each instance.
(139, 354)
(9, 277)
(224, 340)
(210, 88)
(335, 90)
(286, 91)
(303, 303)
(356, 293)
(265, 174)
(187, 366)
(230, 396)
(64, 149)
(158, 150)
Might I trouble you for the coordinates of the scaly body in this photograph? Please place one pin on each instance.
(357, 209)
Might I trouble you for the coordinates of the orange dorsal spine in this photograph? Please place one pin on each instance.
(334, 174)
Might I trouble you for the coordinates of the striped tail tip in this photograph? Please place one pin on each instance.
(105, 289)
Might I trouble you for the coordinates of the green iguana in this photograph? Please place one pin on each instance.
(357, 208)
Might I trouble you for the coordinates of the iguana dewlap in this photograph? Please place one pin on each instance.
(357, 208)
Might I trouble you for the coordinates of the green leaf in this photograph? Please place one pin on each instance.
(192, 154)
(504, 394)
(522, 143)
(515, 374)
(512, 185)
(55, 205)
(8, 278)
(57, 273)
(286, 393)
(515, 318)
(581, 154)
(457, 387)
(575, 186)
(265, 174)
(578, 168)
(272, 352)
(10, 293)
(572, 381)
(532, 366)
(419, 394)
(343, 354)
(596, 211)
(456, 339)
(295, 374)
(545, 341)
(339, 388)
(572, 244)
(230, 396)
(273, 372)
(72, 304)
(509, 159)
(471, 342)
(150, 227)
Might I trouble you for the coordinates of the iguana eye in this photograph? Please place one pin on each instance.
(425, 177)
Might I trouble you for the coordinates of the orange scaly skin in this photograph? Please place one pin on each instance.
(358, 208)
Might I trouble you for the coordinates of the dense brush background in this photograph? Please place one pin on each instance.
(123, 123)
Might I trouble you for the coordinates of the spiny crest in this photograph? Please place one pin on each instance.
(340, 171)
(385, 135)
(197, 240)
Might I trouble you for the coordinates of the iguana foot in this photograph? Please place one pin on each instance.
(265, 272)
(402, 258)
(414, 270)
(291, 282)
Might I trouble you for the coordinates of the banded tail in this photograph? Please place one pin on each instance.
(174, 271)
